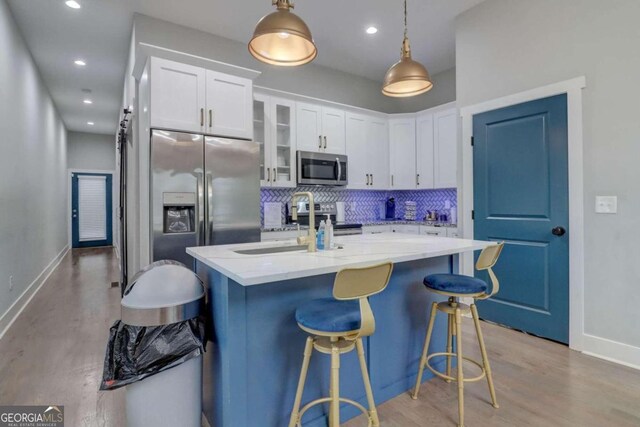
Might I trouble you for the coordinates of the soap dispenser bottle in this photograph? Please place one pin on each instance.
(328, 234)
(320, 236)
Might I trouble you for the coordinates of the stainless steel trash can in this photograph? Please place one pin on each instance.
(164, 293)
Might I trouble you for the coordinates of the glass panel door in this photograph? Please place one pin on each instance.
(260, 135)
(284, 143)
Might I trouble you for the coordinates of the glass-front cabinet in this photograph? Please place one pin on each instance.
(274, 130)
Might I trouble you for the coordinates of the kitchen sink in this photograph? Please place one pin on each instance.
(272, 250)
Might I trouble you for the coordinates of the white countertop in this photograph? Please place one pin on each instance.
(357, 251)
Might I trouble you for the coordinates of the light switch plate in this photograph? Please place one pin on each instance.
(607, 204)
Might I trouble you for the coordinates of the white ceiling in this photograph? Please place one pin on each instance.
(99, 33)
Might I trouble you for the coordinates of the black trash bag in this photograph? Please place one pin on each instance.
(137, 352)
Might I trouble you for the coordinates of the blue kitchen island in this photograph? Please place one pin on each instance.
(254, 357)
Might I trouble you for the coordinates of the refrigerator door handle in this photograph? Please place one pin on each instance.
(209, 218)
(201, 210)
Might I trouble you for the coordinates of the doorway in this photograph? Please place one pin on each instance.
(521, 197)
(91, 207)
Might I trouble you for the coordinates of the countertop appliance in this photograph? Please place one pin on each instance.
(322, 210)
(322, 169)
(204, 191)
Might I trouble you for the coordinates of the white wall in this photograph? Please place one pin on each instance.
(33, 164)
(90, 151)
(505, 47)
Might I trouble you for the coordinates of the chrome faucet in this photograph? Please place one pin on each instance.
(310, 238)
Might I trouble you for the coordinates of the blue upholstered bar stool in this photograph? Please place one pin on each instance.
(456, 286)
(336, 326)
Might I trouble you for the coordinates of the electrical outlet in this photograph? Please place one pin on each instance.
(10, 283)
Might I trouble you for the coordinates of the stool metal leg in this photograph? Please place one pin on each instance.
(450, 320)
(485, 359)
(308, 350)
(425, 350)
(334, 408)
(459, 360)
(373, 414)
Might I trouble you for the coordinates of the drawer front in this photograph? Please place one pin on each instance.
(433, 231)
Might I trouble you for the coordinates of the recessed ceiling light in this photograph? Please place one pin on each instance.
(88, 101)
(79, 62)
(371, 30)
(73, 4)
(90, 123)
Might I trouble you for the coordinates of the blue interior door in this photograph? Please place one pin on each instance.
(91, 219)
(521, 197)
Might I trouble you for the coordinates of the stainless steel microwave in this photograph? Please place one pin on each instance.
(322, 168)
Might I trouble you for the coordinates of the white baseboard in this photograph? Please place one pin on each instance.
(23, 300)
(613, 351)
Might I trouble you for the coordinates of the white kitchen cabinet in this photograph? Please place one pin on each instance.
(177, 96)
(445, 141)
(424, 151)
(367, 151)
(273, 129)
(406, 228)
(320, 129)
(191, 99)
(376, 229)
(229, 100)
(402, 149)
(453, 232)
(433, 231)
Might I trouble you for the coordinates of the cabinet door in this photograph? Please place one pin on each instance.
(424, 151)
(377, 147)
(445, 131)
(283, 164)
(406, 228)
(177, 96)
(356, 131)
(229, 106)
(262, 135)
(333, 131)
(402, 148)
(309, 127)
(433, 231)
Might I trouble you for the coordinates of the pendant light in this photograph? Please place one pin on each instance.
(282, 38)
(406, 77)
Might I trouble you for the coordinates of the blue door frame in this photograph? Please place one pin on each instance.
(75, 213)
(521, 190)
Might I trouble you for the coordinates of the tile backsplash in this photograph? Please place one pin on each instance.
(363, 205)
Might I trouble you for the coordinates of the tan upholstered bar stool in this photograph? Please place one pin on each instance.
(336, 326)
(456, 286)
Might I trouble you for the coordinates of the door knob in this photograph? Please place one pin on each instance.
(558, 231)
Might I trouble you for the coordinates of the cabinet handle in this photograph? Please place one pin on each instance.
(367, 179)
(268, 174)
(418, 180)
(325, 142)
(202, 117)
(371, 179)
(210, 118)
(274, 175)
(392, 180)
(319, 141)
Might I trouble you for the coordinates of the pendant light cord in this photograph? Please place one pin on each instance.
(405, 19)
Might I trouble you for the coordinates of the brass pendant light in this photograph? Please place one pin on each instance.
(282, 38)
(406, 77)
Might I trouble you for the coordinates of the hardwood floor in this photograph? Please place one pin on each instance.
(54, 351)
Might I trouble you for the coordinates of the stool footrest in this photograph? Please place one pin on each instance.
(450, 378)
(328, 400)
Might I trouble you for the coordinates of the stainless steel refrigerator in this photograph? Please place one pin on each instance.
(204, 191)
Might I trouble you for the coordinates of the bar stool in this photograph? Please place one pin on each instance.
(336, 326)
(456, 286)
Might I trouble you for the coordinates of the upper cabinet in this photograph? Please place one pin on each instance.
(402, 147)
(191, 99)
(273, 129)
(320, 129)
(424, 151)
(445, 150)
(367, 151)
(229, 105)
